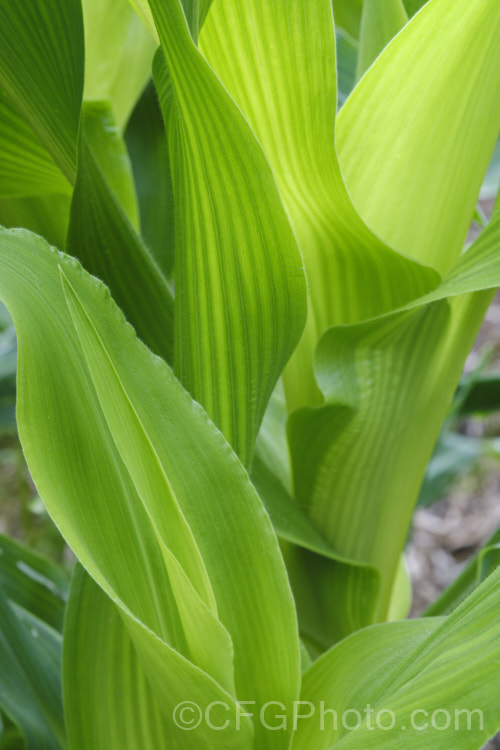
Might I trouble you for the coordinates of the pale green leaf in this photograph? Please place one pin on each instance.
(313, 564)
(121, 469)
(240, 288)
(436, 664)
(118, 55)
(417, 133)
(380, 22)
(103, 137)
(410, 361)
(109, 704)
(259, 51)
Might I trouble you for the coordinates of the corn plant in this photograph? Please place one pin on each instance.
(242, 315)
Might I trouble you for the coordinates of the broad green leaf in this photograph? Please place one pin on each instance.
(30, 691)
(47, 215)
(32, 582)
(104, 240)
(380, 22)
(349, 674)
(147, 145)
(292, 109)
(26, 168)
(240, 288)
(410, 361)
(118, 55)
(126, 472)
(104, 676)
(414, 167)
(108, 703)
(445, 664)
(313, 564)
(152, 593)
(48, 96)
(188, 577)
(144, 11)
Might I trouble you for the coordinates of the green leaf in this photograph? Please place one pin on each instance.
(436, 664)
(104, 240)
(410, 361)
(413, 167)
(47, 96)
(103, 677)
(147, 145)
(30, 691)
(126, 473)
(291, 108)
(118, 55)
(99, 131)
(313, 565)
(26, 168)
(380, 22)
(32, 582)
(110, 153)
(240, 288)
(47, 215)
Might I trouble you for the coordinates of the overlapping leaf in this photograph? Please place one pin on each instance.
(127, 473)
(436, 664)
(290, 107)
(30, 689)
(414, 160)
(104, 679)
(380, 22)
(410, 361)
(33, 582)
(279, 64)
(240, 289)
(118, 55)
